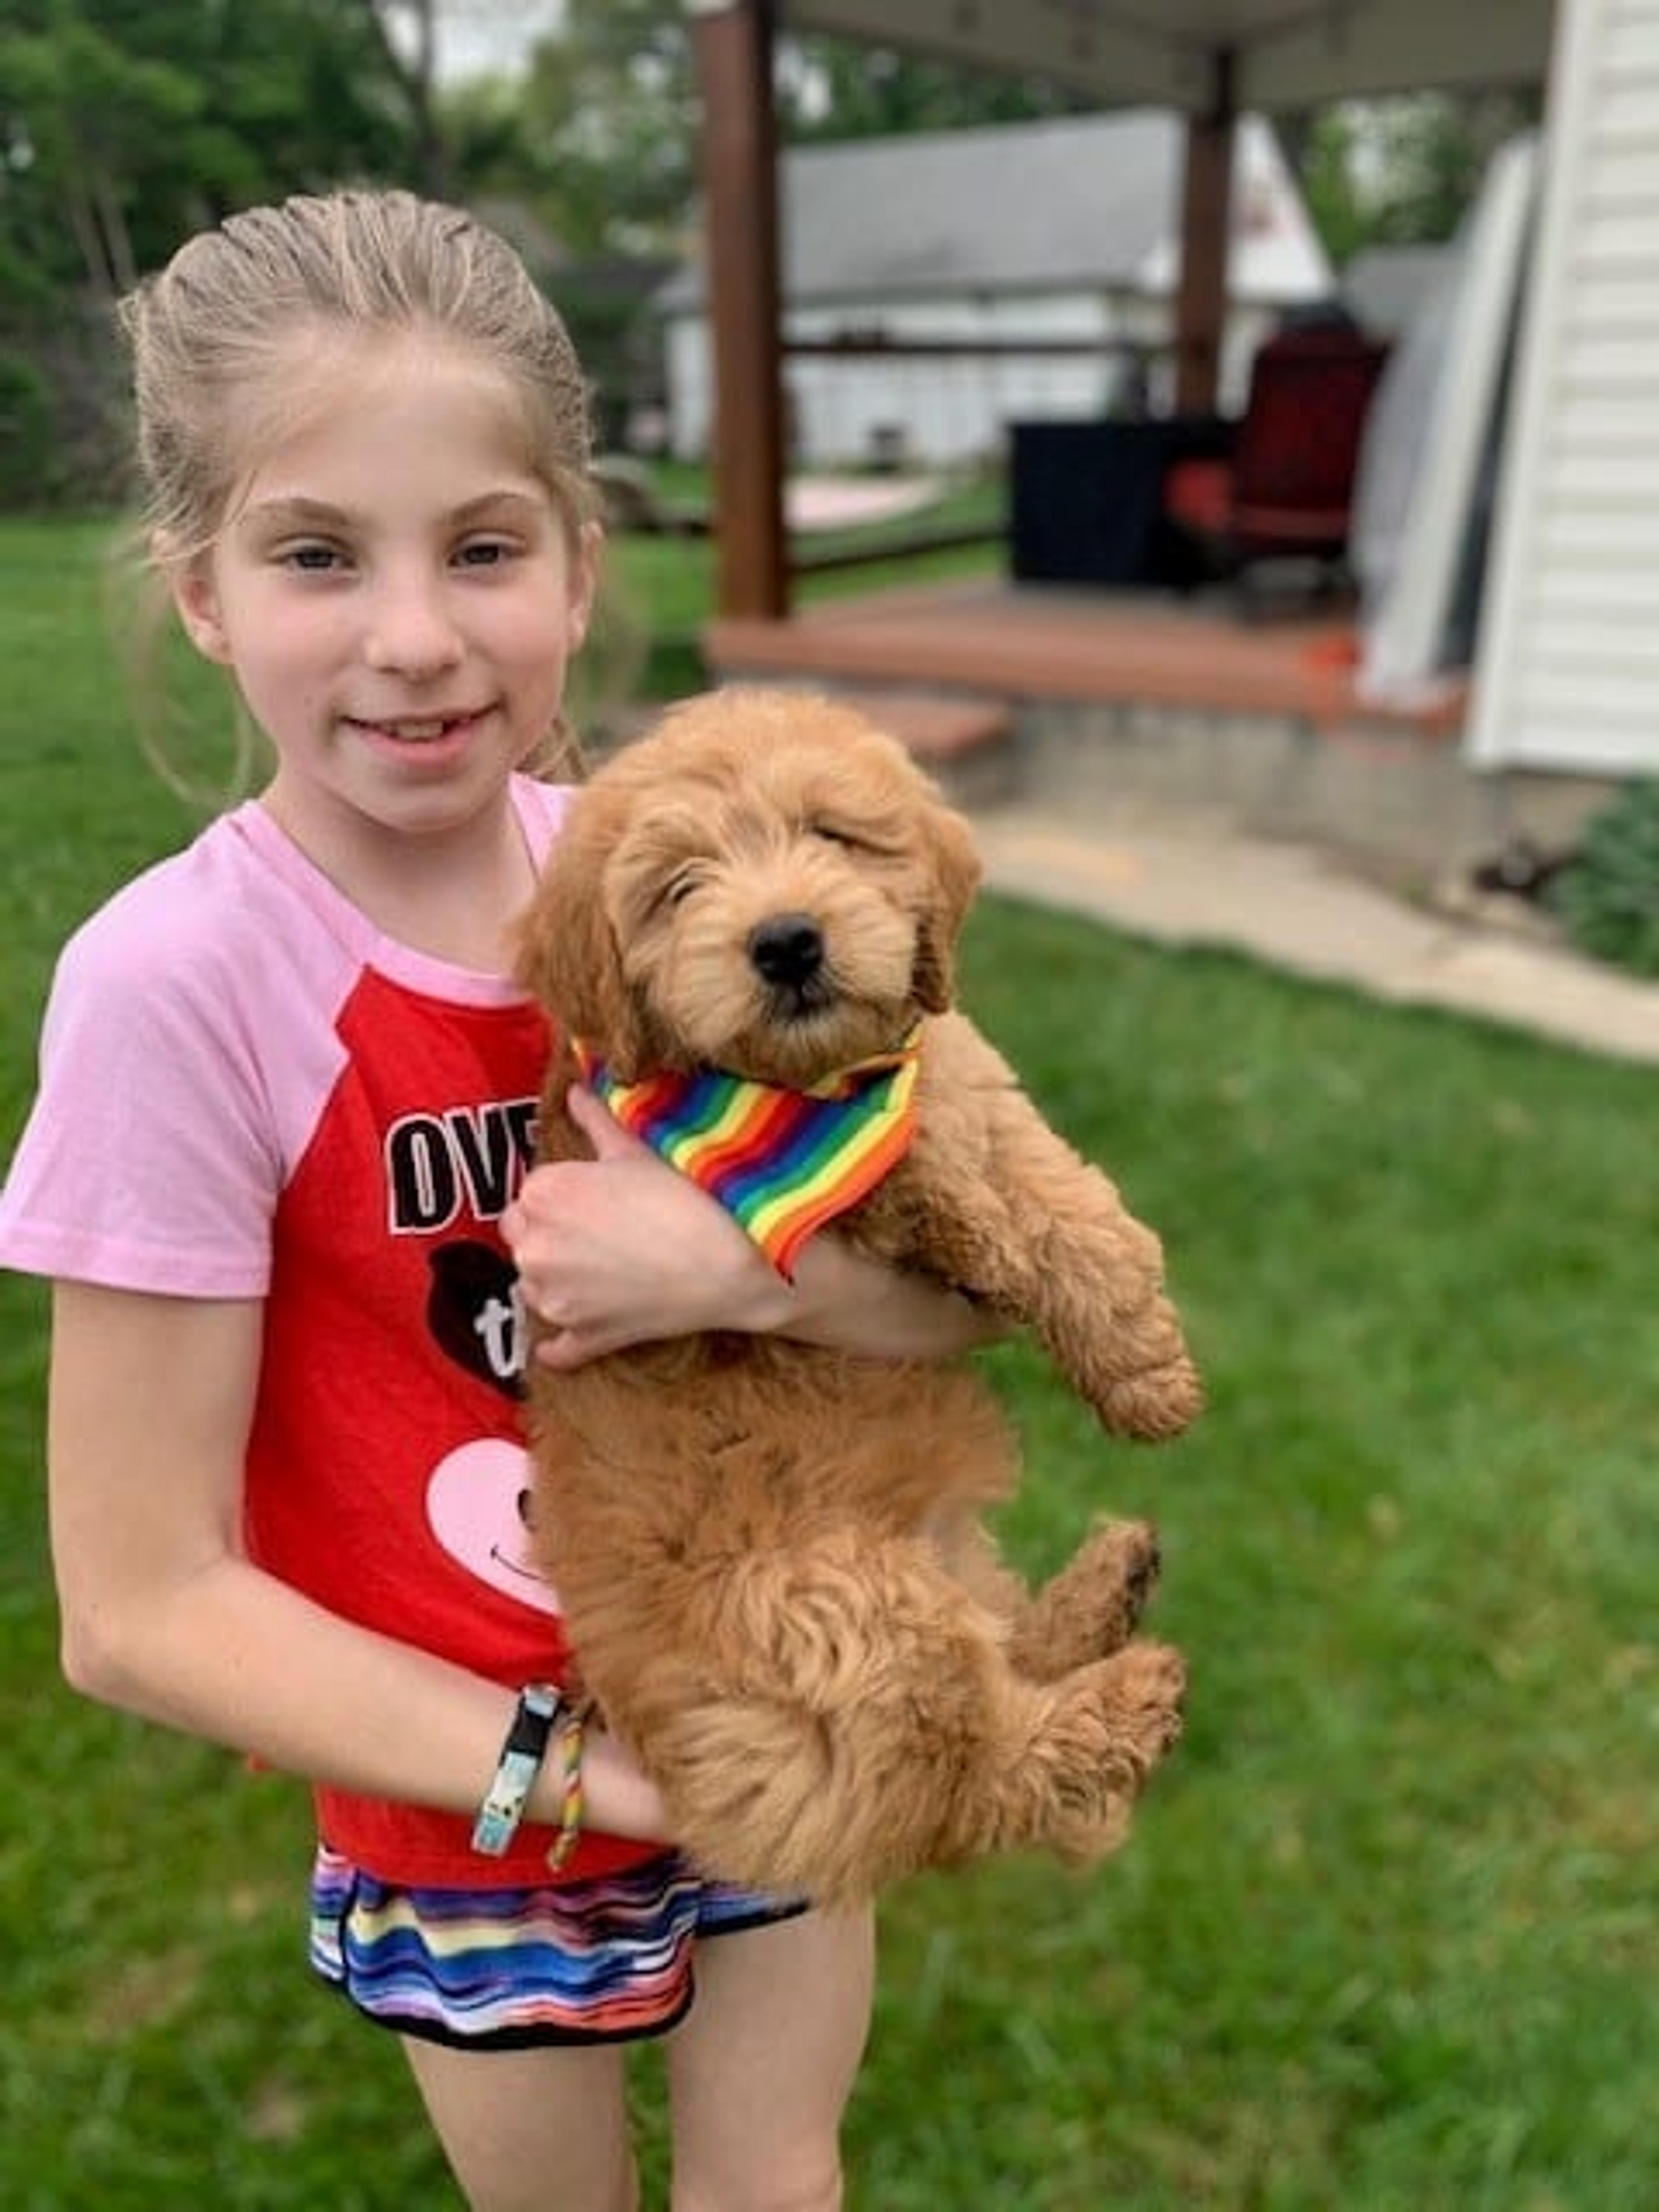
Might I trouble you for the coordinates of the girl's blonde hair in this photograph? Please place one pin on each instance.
(215, 336)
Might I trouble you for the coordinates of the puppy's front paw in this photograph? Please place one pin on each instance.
(1154, 1403)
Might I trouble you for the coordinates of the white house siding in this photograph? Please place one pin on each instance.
(924, 238)
(944, 408)
(1566, 675)
(951, 409)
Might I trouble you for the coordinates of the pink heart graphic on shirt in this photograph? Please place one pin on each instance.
(476, 1504)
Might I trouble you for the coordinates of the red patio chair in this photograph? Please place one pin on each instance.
(1286, 489)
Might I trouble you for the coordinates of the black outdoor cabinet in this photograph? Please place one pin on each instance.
(1086, 498)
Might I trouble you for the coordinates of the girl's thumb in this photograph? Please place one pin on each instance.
(609, 1140)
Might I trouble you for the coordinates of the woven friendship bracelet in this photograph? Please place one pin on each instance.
(572, 1737)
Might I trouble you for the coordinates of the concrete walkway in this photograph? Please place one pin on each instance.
(1299, 909)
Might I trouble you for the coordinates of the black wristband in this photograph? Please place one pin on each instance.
(534, 1720)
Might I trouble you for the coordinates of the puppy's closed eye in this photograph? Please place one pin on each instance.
(849, 839)
(675, 889)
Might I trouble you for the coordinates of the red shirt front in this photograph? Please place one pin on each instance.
(247, 1091)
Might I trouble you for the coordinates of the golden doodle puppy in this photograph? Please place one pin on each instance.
(771, 1556)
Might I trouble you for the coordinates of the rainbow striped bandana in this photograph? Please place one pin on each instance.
(781, 1162)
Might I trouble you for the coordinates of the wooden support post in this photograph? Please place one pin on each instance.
(1206, 225)
(732, 42)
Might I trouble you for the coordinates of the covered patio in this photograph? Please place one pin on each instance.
(1190, 695)
(1210, 60)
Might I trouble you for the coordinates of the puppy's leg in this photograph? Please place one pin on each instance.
(1045, 1239)
(842, 1710)
(877, 1728)
(1092, 1608)
(1042, 1237)
(1072, 1779)
(1092, 1287)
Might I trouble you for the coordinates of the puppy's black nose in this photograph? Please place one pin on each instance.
(786, 948)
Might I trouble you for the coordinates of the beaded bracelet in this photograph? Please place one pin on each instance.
(573, 1734)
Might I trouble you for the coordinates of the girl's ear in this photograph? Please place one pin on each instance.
(196, 598)
(584, 580)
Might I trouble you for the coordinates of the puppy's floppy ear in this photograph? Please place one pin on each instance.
(950, 853)
(567, 955)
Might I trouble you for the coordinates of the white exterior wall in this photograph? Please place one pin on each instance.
(687, 367)
(947, 408)
(1566, 673)
(944, 408)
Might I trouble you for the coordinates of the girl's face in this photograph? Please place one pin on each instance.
(396, 596)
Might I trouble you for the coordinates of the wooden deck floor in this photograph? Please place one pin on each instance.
(1057, 642)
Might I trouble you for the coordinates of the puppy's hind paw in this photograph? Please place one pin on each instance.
(1152, 1683)
(1130, 1559)
(1092, 1607)
(1116, 1721)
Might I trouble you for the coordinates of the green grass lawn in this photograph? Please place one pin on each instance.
(1386, 1938)
(660, 590)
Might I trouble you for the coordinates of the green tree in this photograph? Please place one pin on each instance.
(123, 125)
(606, 144)
(1322, 149)
(411, 64)
(1400, 172)
(837, 88)
(608, 125)
(128, 122)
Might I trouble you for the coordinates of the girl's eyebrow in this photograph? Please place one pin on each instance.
(297, 514)
(300, 511)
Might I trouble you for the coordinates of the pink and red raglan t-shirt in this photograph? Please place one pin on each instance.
(247, 1091)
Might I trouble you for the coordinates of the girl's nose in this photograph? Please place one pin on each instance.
(410, 630)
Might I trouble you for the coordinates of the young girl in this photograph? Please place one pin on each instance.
(275, 1171)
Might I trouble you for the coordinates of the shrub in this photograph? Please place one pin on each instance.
(1607, 897)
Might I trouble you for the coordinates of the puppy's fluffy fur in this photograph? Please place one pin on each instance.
(770, 1556)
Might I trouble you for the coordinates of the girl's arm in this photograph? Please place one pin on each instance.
(620, 1249)
(163, 1614)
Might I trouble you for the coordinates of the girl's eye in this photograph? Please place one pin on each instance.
(483, 553)
(312, 559)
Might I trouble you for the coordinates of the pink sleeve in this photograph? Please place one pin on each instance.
(190, 1049)
(153, 1157)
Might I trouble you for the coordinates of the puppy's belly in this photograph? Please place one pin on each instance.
(746, 1445)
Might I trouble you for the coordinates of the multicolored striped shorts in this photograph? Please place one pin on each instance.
(596, 1961)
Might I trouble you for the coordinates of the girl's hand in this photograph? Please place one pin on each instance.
(620, 1249)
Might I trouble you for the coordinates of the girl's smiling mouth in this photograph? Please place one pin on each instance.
(414, 729)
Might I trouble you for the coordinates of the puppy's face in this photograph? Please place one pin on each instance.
(766, 884)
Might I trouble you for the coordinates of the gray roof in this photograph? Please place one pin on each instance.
(1089, 201)
(1088, 197)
